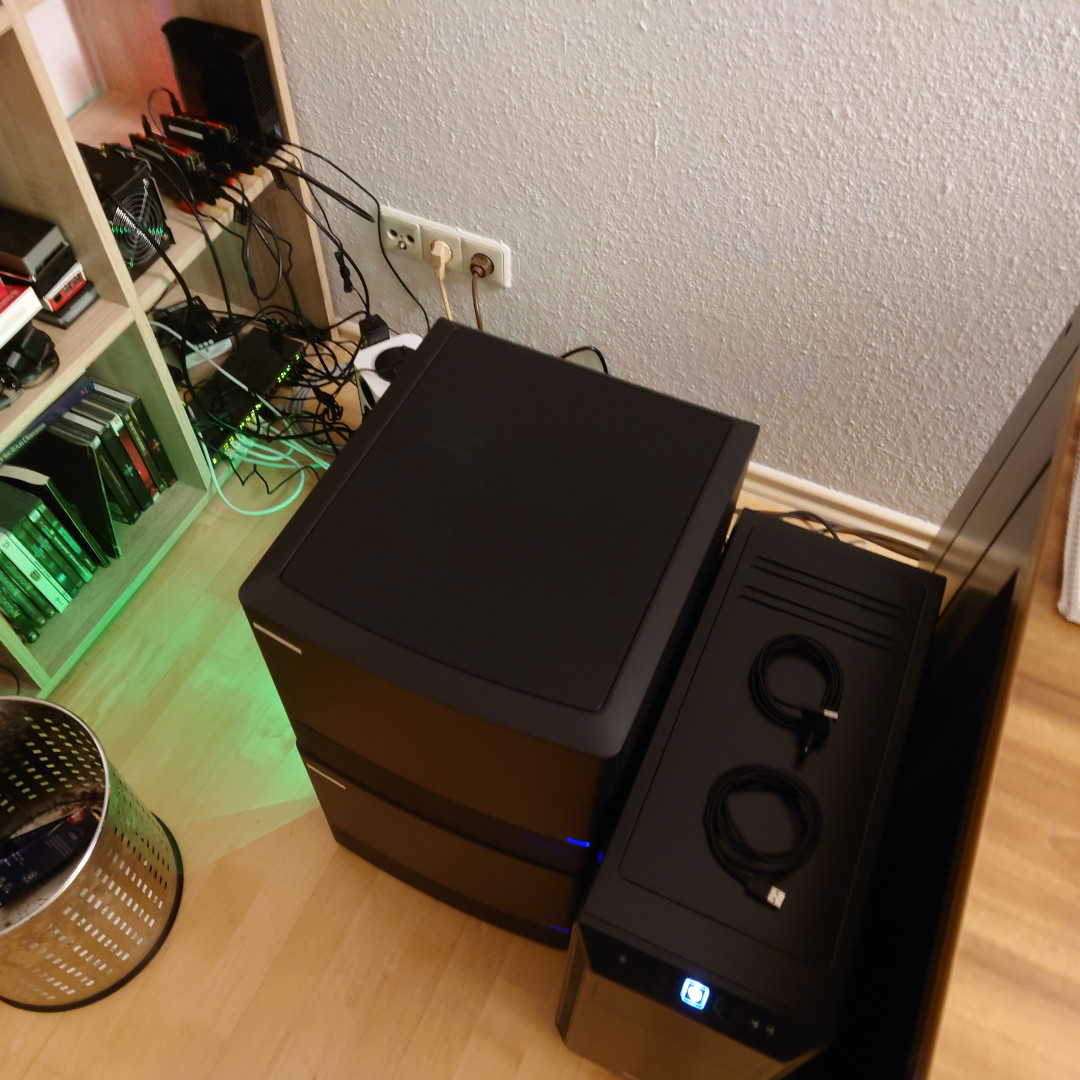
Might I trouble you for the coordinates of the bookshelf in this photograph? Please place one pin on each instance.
(41, 172)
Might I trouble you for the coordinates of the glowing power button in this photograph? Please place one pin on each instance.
(694, 993)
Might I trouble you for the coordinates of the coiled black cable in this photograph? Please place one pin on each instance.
(760, 870)
(811, 722)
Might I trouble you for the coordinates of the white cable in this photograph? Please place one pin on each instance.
(298, 444)
(250, 513)
(252, 451)
(321, 462)
(261, 450)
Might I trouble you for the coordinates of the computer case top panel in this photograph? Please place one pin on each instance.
(512, 535)
(659, 883)
(526, 560)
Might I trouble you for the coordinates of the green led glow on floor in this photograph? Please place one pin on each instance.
(183, 702)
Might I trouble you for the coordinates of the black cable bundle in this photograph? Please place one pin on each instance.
(812, 722)
(759, 870)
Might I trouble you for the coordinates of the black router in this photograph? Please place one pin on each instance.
(232, 398)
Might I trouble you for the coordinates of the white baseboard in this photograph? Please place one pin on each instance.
(783, 491)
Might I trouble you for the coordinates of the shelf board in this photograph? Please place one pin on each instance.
(68, 635)
(97, 328)
(5, 20)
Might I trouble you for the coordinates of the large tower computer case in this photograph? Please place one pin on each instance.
(677, 967)
(474, 618)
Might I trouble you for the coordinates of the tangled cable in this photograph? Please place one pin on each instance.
(759, 870)
(812, 722)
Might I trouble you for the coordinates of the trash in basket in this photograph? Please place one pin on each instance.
(83, 927)
(39, 851)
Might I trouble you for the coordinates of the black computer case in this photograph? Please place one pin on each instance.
(677, 967)
(474, 618)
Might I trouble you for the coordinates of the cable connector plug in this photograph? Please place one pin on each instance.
(441, 253)
(480, 265)
(766, 892)
(819, 722)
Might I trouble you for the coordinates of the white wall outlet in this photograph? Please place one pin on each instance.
(412, 236)
(401, 234)
(430, 233)
(498, 253)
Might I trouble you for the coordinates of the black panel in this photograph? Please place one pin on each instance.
(223, 74)
(527, 511)
(867, 620)
(1017, 457)
(521, 895)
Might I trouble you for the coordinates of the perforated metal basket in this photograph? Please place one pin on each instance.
(86, 930)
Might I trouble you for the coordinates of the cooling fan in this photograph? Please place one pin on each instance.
(131, 202)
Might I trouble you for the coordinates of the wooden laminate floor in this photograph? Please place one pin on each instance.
(291, 957)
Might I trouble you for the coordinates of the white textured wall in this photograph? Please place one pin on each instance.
(855, 223)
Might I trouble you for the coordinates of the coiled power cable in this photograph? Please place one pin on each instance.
(812, 723)
(758, 869)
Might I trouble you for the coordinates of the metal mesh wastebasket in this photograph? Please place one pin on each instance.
(87, 929)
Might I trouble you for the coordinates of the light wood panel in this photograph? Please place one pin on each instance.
(126, 43)
(41, 170)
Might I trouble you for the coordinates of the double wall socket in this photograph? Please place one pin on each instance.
(411, 237)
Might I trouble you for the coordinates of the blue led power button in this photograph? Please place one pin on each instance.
(694, 993)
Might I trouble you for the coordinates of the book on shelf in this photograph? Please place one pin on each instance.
(98, 460)
(72, 457)
(23, 614)
(107, 453)
(137, 419)
(26, 562)
(72, 557)
(110, 428)
(104, 406)
(68, 400)
(31, 600)
(40, 570)
(20, 515)
(66, 517)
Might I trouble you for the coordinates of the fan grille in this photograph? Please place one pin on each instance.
(138, 217)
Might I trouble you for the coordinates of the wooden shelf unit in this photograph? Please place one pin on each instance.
(41, 172)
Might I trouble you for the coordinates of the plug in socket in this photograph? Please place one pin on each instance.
(430, 233)
(499, 254)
